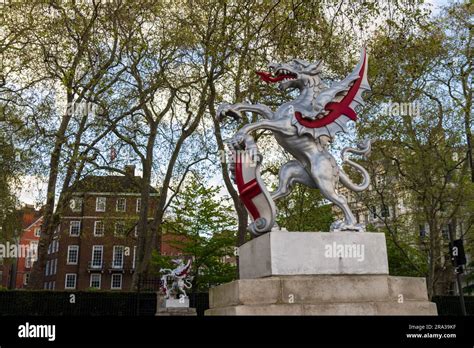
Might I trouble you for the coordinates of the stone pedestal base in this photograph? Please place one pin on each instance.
(318, 273)
(172, 307)
(176, 311)
(322, 295)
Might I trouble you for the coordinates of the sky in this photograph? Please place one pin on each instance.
(33, 188)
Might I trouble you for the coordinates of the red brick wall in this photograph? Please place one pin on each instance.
(87, 239)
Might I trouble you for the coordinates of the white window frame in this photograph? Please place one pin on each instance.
(46, 270)
(134, 256)
(66, 281)
(114, 259)
(75, 223)
(95, 228)
(29, 259)
(37, 232)
(124, 200)
(54, 267)
(117, 223)
(97, 247)
(33, 252)
(135, 233)
(26, 278)
(100, 280)
(99, 201)
(69, 249)
(77, 205)
(112, 281)
(138, 205)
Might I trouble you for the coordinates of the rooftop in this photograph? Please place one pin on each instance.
(128, 183)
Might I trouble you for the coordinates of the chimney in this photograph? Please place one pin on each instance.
(130, 170)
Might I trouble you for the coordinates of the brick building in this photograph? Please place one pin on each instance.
(94, 246)
(15, 272)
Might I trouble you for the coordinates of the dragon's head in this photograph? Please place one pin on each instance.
(177, 261)
(296, 73)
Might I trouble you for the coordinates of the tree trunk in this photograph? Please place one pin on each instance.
(49, 223)
(144, 236)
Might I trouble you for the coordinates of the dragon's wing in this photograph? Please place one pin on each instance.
(336, 105)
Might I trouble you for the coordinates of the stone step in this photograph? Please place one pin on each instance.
(360, 308)
(318, 289)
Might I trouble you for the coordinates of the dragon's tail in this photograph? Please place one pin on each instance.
(363, 148)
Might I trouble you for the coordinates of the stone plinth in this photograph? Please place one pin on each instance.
(177, 303)
(322, 295)
(318, 273)
(174, 307)
(282, 253)
(176, 311)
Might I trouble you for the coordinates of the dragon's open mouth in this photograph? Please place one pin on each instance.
(280, 75)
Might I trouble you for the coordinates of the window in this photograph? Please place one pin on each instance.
(76, 204)
(37, 231)
(121, 204)
(26, 278)
(99, 228)
(74, 228)
(422, 231)
(119, 228)
(384, 211)
(373, 210)
(95, 280)
(54, 266)
(33, 252)
(116, 282)
(54, 285)
(118, 256)
(70, 281)
(139, 204)
(136, 230)
(46, 270)
(72, 254)
(134, 256)
(55, 246)
(29, 258)
(445, 231)
(97, 254)
(100, 204)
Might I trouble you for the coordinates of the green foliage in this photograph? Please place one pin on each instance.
(405, 258)
(304, 210)
(205, 224)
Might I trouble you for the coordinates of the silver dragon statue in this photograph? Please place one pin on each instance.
(304, 127)
(179, 279)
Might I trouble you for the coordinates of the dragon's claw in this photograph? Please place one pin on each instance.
(226, 109)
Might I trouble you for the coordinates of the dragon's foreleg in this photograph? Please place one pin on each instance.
(234, 110)
(282, 126)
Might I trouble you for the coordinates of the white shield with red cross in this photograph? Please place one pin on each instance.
(252, 191)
